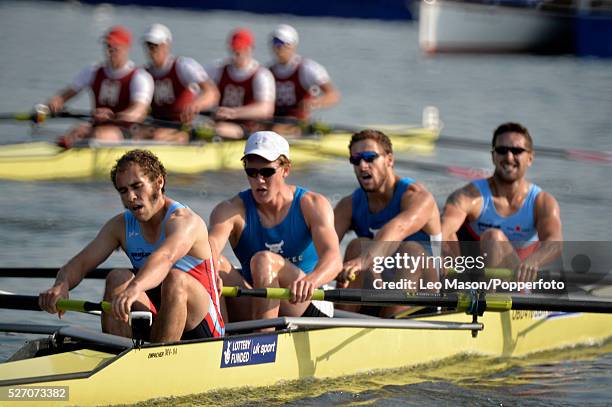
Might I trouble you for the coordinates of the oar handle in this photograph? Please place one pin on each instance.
(269, 293)
(30, 303)
(83, 306)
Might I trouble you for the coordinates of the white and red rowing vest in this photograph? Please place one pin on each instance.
(170, 96)
(290, 93)
(236, 93)
(111, 93)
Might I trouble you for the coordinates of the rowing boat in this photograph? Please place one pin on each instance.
(39, 161)
(89, 368)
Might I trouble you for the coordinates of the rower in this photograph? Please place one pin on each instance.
(182, 87)
(301, 84)
(510, 217)
(282, 234)
(173, 273)
(385, 208)
(121, 92)
(246, 87)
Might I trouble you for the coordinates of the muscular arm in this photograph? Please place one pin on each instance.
(462, 204)
(73, 272)
(548, 225)
(254, 111)
(208, 97)
(182, 230)
(135, 113)
(319, 216)
(417, 206)
(328, 98)
(56, 103)
(224, 223)
(342, 216)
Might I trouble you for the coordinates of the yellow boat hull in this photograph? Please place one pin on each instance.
(40, 161)
(191, 368)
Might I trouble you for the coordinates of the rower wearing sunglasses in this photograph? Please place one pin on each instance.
(508, 215)
(283, 236)
(385, 208)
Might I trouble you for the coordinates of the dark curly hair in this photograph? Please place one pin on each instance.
(370, 134)
(148, 161)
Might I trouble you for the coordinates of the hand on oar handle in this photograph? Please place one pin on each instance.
(47, 300)
(350, 271)
(301, 291)
(122, 303)
(56, 104)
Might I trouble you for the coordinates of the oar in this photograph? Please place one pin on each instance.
(572, 277)
(461, 301)
(30, 303)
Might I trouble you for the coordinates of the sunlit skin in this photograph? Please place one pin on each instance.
(510, 168)
(266, 191)
(418, 212)
(158, 53)
(274, 198)
(139, 194)
(117, 55)
(373, 177)
(242, 57)
(509, 188)
(283, 52)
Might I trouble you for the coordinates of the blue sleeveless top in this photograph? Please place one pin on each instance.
(138, 249)
(366, 223)
(518, 227)
(291, 238)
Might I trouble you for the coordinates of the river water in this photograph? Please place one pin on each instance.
(564, 101)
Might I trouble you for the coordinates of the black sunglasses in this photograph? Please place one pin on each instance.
(367, 156)
(503, 150)
(265, 172)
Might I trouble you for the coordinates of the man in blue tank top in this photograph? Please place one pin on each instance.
(282, 234)
(167, 243)
(385, 208)
(517, 224)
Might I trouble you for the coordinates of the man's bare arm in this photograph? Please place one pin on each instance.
(73, 272)
(182, 230)
(342, 216)
(548, 225)
(460, 205)
(319, 216)
(416, 208)
(224, 224)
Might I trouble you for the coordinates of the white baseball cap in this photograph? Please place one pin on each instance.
(286, 34)
(266, 144)
(157, 34)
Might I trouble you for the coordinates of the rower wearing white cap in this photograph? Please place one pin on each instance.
(282, 234)
(182, 86)
(301, 84)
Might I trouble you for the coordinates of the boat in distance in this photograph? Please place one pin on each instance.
(41, 161)
(94, 368)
